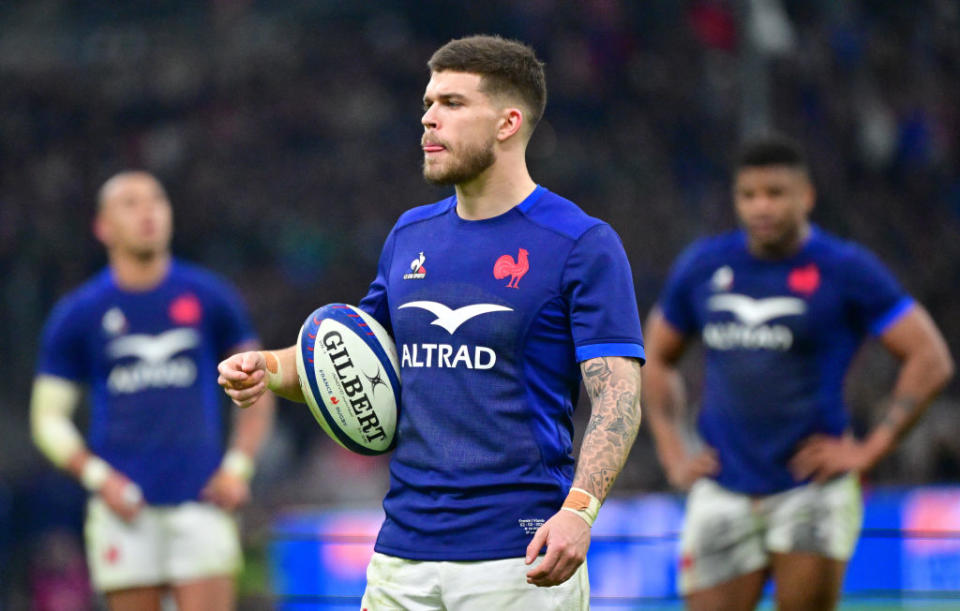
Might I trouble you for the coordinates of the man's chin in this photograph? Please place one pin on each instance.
(146, 253)
(439, 179)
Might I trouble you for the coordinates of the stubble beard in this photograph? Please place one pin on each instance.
(464, 168)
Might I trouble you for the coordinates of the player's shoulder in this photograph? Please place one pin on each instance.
(424, 213)
(75, 307)
(711, 250)
(91, 292)
(558, 214)
(833, 249)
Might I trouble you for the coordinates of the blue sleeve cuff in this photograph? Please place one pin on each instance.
(593, 351)
(884, 322)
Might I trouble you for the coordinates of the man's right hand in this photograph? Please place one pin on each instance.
(684, 472)
(122, 496)
(242, 377)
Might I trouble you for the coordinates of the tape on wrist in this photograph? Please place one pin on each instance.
(236, 462)
(95, 472)
(274, 375)
(582, 503)
(132, 495)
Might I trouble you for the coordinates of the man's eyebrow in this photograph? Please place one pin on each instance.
(444, 97)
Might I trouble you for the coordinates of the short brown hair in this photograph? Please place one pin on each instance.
(506, 67)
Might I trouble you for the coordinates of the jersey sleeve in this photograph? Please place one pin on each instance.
(675, 301)
(375, 302)
(231, 321)
(598, 284)
(874, 297)
(61, 345)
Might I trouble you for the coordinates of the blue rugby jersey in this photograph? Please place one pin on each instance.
(491, 318)
(150, 361)
(779, 336)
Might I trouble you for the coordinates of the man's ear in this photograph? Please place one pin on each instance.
(101, 230)
(511, 121)
(810, 197)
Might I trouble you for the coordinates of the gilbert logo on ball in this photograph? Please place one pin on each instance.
(350, 377)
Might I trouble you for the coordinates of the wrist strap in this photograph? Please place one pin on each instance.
(582, 503)
(94, 473)
(236, 462)
(274, 375)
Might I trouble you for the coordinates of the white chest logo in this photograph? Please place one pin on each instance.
(753, 312)
(450, 320)
(154, 348)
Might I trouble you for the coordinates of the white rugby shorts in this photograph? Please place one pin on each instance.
(163, 545)
(427, 585)
(727, 534)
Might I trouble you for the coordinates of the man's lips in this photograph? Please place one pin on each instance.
(429, 147)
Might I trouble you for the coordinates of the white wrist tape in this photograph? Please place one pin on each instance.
(51, 409)
(132, 495)
(274, 374)
(582, 503)
(95, 472)
(236, 462)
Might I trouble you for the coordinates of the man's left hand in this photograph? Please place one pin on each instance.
(567, 537)
(226, 490)
(823, 457)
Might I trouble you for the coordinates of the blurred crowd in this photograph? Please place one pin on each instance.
(287, 134)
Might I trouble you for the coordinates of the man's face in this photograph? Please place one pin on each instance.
(459, 128)
(135, 216)
(772, 203)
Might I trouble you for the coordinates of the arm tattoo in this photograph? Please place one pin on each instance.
(613, 384)
(900, 415)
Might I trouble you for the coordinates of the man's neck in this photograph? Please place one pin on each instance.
(134, 273)
(784, 250)
(498, 189)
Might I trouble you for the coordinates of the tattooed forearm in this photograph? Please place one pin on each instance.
(613, 384)
(900, 416)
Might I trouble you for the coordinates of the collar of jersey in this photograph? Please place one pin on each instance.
(527, 203)
(112, 280)
(811, 239)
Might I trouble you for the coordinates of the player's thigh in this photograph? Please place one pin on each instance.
(722, 538)
(807, 582)
(502, 584)
(738, 594)
(208, 594)
(148, 598)
(818, 519)
(397, 583)
(203, 542)
(123, 555)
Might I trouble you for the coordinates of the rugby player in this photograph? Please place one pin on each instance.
(781, 306)
(144, 336)
(483, 474)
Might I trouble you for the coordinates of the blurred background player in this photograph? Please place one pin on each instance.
(144, 336)
(483, 474)
(781, 307)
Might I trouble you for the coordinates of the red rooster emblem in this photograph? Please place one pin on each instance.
(506, 266)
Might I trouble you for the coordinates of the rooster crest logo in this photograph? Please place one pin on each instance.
(506, 266)
(417, 270)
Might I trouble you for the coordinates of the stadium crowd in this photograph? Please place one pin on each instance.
(287, 135)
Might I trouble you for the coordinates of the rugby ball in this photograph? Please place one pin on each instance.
(350, 377)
